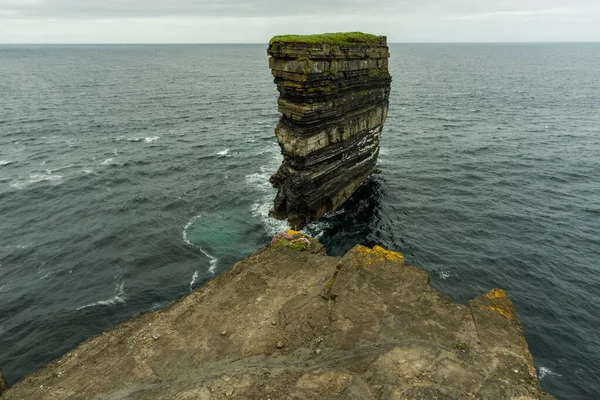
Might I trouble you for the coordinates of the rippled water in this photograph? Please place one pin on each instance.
(130, 175)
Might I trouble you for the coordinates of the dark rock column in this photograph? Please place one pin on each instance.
(333, 97)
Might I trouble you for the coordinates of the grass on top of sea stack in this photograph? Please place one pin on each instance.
(339, 38)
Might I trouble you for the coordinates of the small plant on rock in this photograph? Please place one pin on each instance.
(299, 244)
(462, 346)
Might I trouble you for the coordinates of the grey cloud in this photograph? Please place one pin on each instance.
(163, 8)
(255, 21)
(103, 9)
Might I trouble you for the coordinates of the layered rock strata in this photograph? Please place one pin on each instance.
(333, 97)
(288, 322)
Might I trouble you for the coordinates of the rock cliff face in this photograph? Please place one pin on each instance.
(3, 385)
(289, 322)
(333, 97)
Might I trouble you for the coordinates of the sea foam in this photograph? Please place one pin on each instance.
(118, 298)
(194, 279)
(546, 372)
(35, 178)
(212, 260)
(259, 181)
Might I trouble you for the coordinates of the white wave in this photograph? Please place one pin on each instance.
(223, 153)
(156, 306)
(194, 279)
(88, 171)
(212, 260)
(545, 372)
(118, 298)
(35, 178)
(149, 139)
(316, 229)
(335, 213)
(445, 274)
(59, 168)
(5, 162)
(107, 161)
(45, 276)
(259, 181)
(260, 210)
(185, 229)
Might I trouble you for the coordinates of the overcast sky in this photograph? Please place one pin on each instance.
(255, 21)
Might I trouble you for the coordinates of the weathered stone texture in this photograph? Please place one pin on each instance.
(3, 386)
(334, 101)
(291, 323)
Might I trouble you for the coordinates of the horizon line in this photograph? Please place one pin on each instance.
(266, 43)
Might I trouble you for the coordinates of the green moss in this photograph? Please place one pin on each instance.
(463, 346)
(339, 38)
(308, 63)
(292, 244)
(298, 246)
(281, 243)
(324, 89)
(379, 73)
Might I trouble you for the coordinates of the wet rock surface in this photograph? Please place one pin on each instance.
(333, 97)
(302, 325)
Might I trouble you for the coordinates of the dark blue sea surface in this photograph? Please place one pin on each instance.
(130, 175)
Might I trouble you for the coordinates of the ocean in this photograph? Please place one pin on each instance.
(133, 174)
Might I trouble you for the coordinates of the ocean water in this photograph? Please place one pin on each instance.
(130, 175)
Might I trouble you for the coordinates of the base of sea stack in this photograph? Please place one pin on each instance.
(288, 322)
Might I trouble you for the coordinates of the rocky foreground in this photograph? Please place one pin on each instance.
(333, 96)
(288, 322)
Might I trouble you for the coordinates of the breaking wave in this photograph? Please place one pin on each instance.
(118, 298)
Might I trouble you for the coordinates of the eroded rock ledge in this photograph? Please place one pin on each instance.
(288, 322)
(333, 97)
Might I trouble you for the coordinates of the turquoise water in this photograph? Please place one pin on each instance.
(130, 175)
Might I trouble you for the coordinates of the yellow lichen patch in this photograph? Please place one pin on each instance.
(500, 303)
(292, 232)
(497, 294)
(388, 254)
(507, 314)
(367, 256)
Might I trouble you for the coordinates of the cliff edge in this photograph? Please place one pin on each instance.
(333, 96)
(289, 322)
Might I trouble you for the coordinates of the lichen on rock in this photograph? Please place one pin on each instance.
(333, 97)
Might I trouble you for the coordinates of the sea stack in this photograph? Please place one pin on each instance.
(333, 96)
